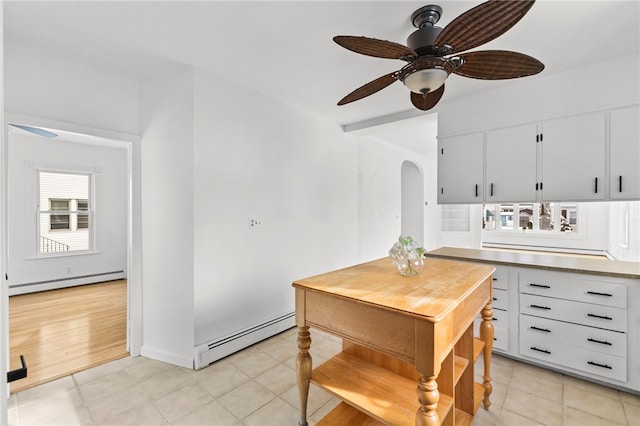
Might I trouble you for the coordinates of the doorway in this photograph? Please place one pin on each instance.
(31, 270)
(412, 201)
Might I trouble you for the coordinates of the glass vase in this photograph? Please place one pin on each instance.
(410, 267)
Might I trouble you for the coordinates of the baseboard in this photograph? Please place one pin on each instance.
(32, 287)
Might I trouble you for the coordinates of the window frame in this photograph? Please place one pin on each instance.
(517, 208)
(73, 212)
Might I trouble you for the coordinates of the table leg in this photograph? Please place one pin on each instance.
(428, 396)
(303, 371)
(486, 334)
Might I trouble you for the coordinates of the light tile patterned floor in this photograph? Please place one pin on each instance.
(257, 386)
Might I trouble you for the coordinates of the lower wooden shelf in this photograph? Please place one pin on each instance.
(344, 414)
(377, 396)
(382, 395)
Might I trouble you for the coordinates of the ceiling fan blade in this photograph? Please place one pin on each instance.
(482, 24)
(428, 101)
(376, 48)
(35, 130)
(370, 88)
(498, 65)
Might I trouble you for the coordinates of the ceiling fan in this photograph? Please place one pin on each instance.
(432, 53)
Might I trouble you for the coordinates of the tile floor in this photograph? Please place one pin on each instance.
(257, 386)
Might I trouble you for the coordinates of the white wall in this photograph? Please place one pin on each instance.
(545, 96)
(624, 230)
(167, 191)
(257, 157)
(4, 306)
(46, 83)
(379, 171)
(26, 155)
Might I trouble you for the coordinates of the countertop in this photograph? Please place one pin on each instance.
(438, 289)
(583, 265)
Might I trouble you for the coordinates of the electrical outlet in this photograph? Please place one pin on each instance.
(255, 223)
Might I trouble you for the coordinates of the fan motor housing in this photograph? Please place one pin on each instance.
(422, 40)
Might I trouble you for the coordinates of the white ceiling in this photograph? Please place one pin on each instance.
(285, 49)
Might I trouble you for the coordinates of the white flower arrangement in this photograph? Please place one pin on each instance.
(407, 255)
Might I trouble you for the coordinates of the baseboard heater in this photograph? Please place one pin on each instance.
(208, 353)
(15, 289)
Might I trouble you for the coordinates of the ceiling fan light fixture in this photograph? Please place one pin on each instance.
(426, 81)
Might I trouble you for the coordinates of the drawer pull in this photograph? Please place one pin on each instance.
(495, 298)
(539, 285)
(608, 367)
(602, 342)
(596, 293)
(495, 279)
(600, 317)
(494, 318)
(540, 350)
(546, 330)
(546, 308)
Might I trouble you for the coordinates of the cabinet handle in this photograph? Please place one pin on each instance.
(494, 319)
(597, 293)
(600, 316)
(546, 330)
(476, 189)
(596, 186)
(495, 298)
(619, 183)
(546, 308)
(492, 189)
(602, 342)
(495, 279)
(540, 350)
(539, 285)
(608, 367)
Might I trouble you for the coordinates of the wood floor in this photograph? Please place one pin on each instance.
(61, 332)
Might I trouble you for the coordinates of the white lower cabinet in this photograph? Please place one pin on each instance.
(582, 320)
(502, 278)
(588, 349)
(580, 323)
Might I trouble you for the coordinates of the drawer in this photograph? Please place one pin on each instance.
(500, 339)
(500, 318)
(582, 313)
(542, 348)
(573, 287)
(500, 331)
(501, 278)
(588, 338)
(500, 299)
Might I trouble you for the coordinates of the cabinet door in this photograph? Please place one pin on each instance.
(625, 154)
(510, 174)
(573, 158)
(460, 169)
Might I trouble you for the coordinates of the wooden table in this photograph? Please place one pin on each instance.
(399, 333)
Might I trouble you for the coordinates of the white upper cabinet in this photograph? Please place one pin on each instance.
(573, 158)
(510, 174)
(625, 154)
(563, 159)
(460, 169)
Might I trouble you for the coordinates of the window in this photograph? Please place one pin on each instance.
(64, 212)
(59, 221)
(83, 218)
(547, 217)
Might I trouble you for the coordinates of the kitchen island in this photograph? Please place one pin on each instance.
(401, 336)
